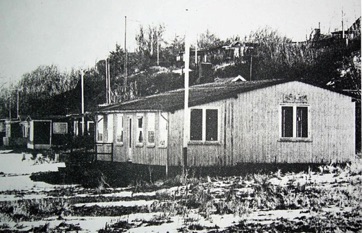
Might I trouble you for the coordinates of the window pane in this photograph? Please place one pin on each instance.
(163, 130)
(211, 125)
(119, 131)
(120, 137)
(110, 127)
(140, 130)
(60, 128)
(196, 124)
(140, 136)
(151, 137)
(100, 128)
(302, 122)
(287, 121)
(90, 128)
(76, 130)
(151, 128)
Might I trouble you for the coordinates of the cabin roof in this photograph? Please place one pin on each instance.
(199, 94)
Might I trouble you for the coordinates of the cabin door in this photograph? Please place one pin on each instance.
(130, 138)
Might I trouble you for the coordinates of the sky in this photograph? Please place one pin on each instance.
(78, 33)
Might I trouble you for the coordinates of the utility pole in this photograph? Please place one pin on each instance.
(126, 55)
(342, 26)
(17, 104)
(82, 99)
(107, 87)
(196, 60)
(109, 83)
(10, 107)
(158, 51)
(186, 104)
(251, 66)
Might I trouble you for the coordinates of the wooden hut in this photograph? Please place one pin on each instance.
(270, 121)
(14, 136)
(2, 131)
(59, 132)
(46, 133)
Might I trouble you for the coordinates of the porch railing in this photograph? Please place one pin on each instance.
(104, 145)
(89, 154)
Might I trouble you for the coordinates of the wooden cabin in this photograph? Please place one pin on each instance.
(14, 135)
(2, 131)
(40, 134)
(58, 132)
(270, 121)
(46, 133)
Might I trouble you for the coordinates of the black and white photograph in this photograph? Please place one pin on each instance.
(180, 116)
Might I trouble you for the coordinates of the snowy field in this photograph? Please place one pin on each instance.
(327, 200)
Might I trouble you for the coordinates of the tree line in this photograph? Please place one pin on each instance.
(49, 91)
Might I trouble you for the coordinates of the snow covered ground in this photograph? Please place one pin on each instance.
(16, 170)
(325, 200)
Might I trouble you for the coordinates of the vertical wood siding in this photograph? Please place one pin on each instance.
(250, 129)
(141, 154)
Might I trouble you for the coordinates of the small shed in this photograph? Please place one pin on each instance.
(2, 131)
(268, 121)
(14, 133)
(40, 134)
(45, 133)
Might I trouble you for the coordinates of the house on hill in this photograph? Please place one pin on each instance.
(269, 121)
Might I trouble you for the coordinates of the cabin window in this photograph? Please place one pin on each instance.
(211, 125)
(2, 127)
(140, 134)
(60, 128)
(196, 125)
(287, 121)
(163, 130)
(25, 128)
(119, 131)
(110, 128)
(90, 128)
(302, 122)
(204, 125)
(151, 129)
(100, 129)
(294, 122)
(76, 128)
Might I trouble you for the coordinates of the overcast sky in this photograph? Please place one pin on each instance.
(77, 33)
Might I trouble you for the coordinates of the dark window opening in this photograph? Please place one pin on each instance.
(130, 134)
(302, 122)
(287, 121)
(196, 124)
(211, 125)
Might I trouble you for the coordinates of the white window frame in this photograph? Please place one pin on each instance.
(89, 124)
(119, 129)
(76, 128)
(100, 128)
(294, 137)
(151, 127)
(203, 140)
(140, 130)
(110, 128)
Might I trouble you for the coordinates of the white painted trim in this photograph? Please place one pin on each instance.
(151, 126)
(100, 127)
(294, 138)
(119, 128)
(203, 141)
(138, 130)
